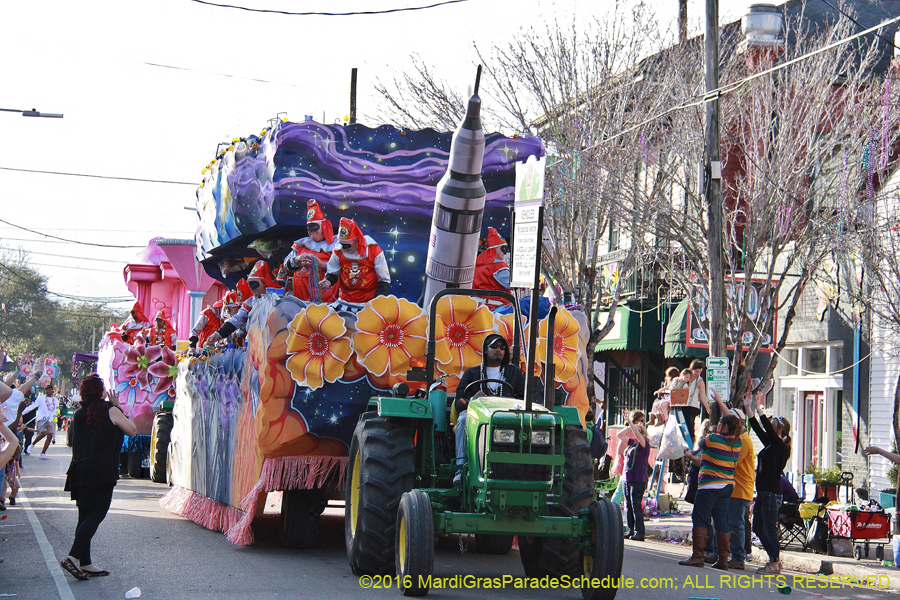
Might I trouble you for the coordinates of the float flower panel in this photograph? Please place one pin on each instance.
(465, 324)
(390, 330)
(318, 346)
(566, 346)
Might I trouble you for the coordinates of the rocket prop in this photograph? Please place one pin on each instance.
(458, 207)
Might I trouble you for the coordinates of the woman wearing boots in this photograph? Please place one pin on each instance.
(776, 439)
(717, 459)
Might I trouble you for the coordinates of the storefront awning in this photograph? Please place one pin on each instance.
(676, 335)
(634, 329)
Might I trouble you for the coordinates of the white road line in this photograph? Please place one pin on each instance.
(59, 578)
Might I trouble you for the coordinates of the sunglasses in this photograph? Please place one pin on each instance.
(312, 227)
(504, 249)
(253, 284)
(346, 245)
(496, 345)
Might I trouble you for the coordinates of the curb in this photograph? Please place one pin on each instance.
(793, 561)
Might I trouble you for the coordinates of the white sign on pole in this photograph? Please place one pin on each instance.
(530, 181)
(718, 377)
(524, 259)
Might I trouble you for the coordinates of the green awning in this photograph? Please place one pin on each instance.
(676, 335)
(634, 329)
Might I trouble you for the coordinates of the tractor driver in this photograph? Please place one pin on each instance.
(496, 366)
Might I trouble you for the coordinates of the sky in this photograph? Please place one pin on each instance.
(149, 90)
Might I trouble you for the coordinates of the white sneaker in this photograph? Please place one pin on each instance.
(44, 457)
(30, 449)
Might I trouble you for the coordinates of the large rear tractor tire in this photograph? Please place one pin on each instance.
(414, 555)
(160, 436)
(493, 544)
(381, 468)
(560, 556)
(608, 546)
(300, 510)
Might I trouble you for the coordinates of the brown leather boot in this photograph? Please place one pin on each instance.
(723, 542)
(698, 535)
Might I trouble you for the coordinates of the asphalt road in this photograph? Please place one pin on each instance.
(168, 557)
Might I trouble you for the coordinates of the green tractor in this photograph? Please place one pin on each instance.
(529, 474)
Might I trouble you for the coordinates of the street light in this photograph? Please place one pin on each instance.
(33, 113)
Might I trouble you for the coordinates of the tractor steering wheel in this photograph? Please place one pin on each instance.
(479, 381)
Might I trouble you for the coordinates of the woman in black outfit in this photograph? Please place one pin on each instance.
(776, 438)
(97, 440)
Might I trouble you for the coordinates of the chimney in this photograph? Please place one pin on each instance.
(762, 29)
(682, 21)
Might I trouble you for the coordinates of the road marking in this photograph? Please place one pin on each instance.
(59, 578)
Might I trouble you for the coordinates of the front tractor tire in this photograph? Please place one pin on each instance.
(380, 470)
(414, 555)
(608, 548)
(560, 556)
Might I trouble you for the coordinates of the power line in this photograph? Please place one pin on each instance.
(156, 231)
(858, 24)
(106, 260)
(71, 267)
(64, 239)
(9, 239)
(326, 14)
(219, 74)
(104, 176)
(41, 290)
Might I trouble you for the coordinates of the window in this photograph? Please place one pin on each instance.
(790, 361)
(814, 360)
(837, 359)
(623, 393)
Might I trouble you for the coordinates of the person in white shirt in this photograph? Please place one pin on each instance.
(46, 405)
(11, 398)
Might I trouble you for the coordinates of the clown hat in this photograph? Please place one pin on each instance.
(161, 314)
(350, 231)
(139, 313)
(231, 297)
(493, 239)
(262, 272)
(219, 303)
(314, 214)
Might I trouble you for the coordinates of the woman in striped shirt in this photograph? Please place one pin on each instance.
(717, 459)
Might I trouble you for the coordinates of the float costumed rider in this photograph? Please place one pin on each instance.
(491, 268)
(162, 334)
(308, 258)
(495, 365)
(134, 324)
(210, 320)
(359, 266)
(248, 292)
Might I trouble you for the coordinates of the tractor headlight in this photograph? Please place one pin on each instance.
(540, 438)
(504, 436)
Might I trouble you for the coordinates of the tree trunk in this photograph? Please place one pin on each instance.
(896, 419)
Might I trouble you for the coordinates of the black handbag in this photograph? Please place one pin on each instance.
(692, 484)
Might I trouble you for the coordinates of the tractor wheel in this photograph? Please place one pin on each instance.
(300, 510)
(608, 547)
(135, 469)
(382, 467)
(159, 445)
(493, 544)
(414, 554)
(560, 556)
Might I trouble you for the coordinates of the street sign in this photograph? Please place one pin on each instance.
(530, 181)
(718, 377)
(524, 255)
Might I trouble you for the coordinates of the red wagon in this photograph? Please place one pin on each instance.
(861, 525)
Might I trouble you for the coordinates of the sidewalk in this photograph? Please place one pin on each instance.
(677, 529)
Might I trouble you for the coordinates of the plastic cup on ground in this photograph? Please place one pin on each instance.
(134, 592)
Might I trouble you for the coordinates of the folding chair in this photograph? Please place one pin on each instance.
(791, 526)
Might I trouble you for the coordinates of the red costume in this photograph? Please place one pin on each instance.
(488, 265)
(209, 322)
(303, 275)
(161, 337)
(361, 275)
(134, 324)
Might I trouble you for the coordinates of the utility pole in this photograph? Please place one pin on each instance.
(353, 95)
(713, 168)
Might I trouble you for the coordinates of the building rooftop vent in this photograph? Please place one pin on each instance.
(762, 26)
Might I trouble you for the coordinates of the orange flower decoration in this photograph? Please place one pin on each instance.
(463, 324)
(318, 346)
(389, 331)
(566, 346)
(505, 324)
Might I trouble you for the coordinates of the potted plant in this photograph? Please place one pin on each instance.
(827, 480)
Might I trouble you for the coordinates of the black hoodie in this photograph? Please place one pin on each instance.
(510, 373)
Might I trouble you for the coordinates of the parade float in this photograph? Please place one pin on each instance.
(278, 414)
